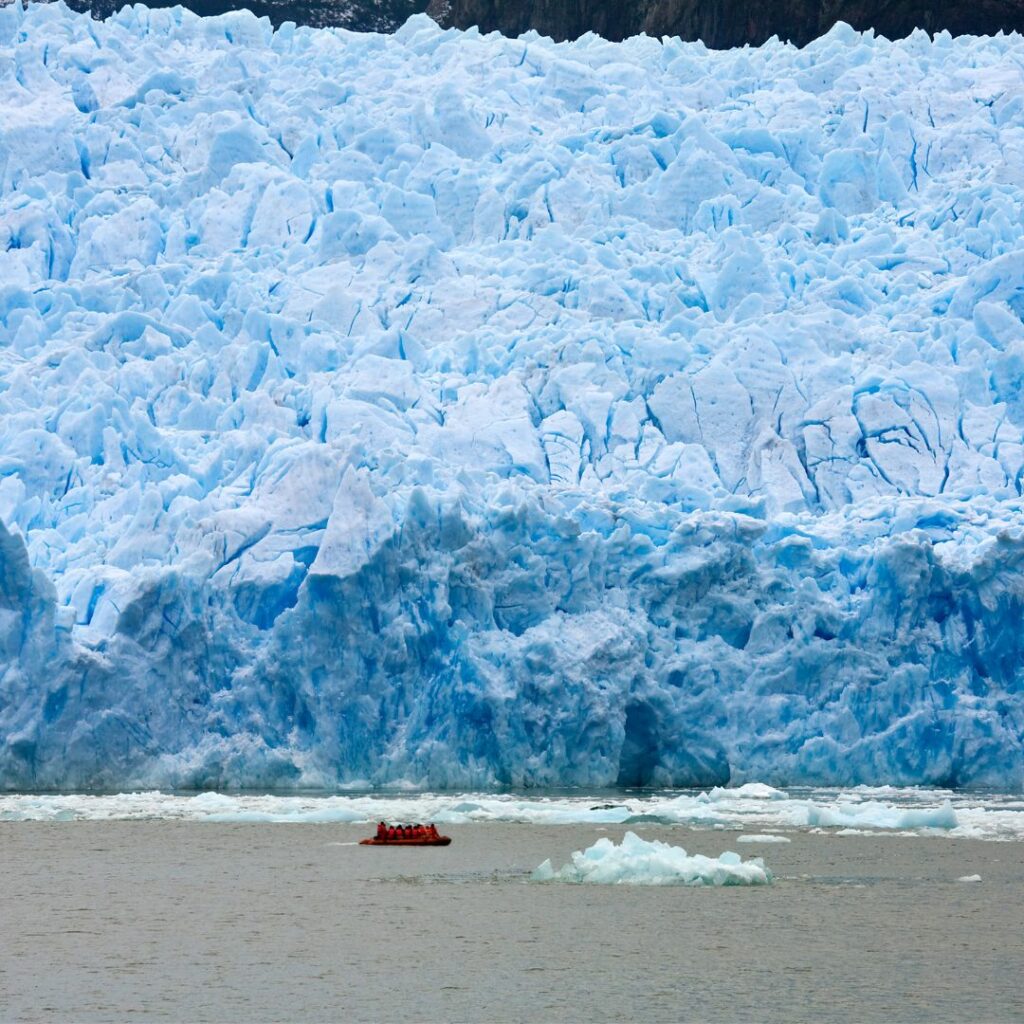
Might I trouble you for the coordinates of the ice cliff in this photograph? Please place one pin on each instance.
(470, 411)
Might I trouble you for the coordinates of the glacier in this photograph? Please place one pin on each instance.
(455, 411)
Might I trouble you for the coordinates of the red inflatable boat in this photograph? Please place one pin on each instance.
(422, 841)
(404, 835)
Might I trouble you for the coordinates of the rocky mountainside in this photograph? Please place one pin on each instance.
(725, 23)
(355, 15)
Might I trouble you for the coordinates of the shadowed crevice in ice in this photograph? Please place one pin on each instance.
(638, 759)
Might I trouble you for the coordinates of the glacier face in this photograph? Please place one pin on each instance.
(463, 411)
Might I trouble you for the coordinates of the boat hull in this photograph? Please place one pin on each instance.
(439, 841)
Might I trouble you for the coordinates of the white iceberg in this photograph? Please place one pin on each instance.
(875, 815)
(637, 861)
(748, 791)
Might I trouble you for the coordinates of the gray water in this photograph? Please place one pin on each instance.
(187, 921)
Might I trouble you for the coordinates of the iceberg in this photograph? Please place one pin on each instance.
(637, 861)
(453, 411)
(871, 814)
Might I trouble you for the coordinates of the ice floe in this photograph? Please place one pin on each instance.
(899, 812)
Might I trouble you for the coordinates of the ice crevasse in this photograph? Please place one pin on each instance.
(454, 410)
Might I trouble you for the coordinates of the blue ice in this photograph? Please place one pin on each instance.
(459, 411)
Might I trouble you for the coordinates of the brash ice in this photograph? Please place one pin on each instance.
(469, 411)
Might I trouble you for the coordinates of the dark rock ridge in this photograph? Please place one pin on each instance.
(726, 23)
(355, 15)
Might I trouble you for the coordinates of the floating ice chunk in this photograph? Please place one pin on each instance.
(766, 837)
(748, 791)
(880, 816)
(995, 817)
(638, 861)
(969, 878)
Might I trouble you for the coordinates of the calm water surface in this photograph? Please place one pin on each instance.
(183, 921)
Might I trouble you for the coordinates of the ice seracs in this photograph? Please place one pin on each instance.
(462, 411)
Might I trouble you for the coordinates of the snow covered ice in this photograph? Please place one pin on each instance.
(459, 411)
(637, 861)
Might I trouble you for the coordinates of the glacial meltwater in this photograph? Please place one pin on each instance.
(260, 908)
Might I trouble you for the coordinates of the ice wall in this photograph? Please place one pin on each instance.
(458, 410)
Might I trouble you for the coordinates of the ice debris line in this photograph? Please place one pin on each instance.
(465, 411)
(858, 811)
(638, 861)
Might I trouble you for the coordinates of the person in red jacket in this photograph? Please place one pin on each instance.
(382, 830)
